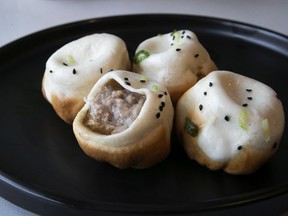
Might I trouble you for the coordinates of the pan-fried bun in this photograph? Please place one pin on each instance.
(177, 60)
(126, 121)
(231, 122)
(73, 70)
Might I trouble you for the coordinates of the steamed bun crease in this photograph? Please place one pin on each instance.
(177, 60)
(72, 70)
(126, 121)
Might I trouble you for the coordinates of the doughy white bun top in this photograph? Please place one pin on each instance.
(74, 68)
(233, 111)
(177, 60)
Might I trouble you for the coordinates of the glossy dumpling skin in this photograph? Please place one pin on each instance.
(72, 70)
(231, 122)
(107, 129)
(177, 60)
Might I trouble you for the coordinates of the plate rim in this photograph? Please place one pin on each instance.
(105, 18)
(50, 197)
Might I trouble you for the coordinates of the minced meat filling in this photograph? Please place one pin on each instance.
(113, 109)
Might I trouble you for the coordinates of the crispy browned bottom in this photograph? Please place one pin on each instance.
(246, 161)
(66, 109)
(143, 154)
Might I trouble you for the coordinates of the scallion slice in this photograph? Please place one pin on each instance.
(155, 88)
(71, 60)
(266, 130)
(243, 120)
(190, 127)
(140, 56)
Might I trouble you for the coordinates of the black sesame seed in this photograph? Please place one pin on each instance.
(158, 115)
(248, 90)
(165, 93)
(142, 81)
(239, 147)
(210, 84)
(274, 146)
(101, 70)
(111, 70)
(64, 64)
(160, 95)
(188, 36)
(74, 71)
(227, 118)
(245, 105)
(126, 78)
(182, 36)
(196, 55)
(163, 104)
(249, 98)
(51, 71)
(172, 44)
(178, 49)
(183, 32)
(173, 37)
(200, 107)
(161, 108)
(205, 93)
(128, 83)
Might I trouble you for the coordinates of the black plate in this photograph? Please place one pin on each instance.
(43, 169)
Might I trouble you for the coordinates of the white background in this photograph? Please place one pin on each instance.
(21, 17)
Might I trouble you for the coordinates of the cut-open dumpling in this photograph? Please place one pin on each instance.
(229, 121)
(177, 60)
(73, 70)
(126, 121)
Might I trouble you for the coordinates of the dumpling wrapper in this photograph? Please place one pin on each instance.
(231, 122)
(146, 141)
(177, 60)
(72, 70)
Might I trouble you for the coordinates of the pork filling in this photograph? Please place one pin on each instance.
(113, 109)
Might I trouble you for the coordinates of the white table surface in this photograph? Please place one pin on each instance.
(21, 17)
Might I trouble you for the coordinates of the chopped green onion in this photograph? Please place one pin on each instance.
(243, 119)
(266, 130)
(140, 56)
(155, 88)
(143, 79)
(176, 38)
(71, 60)
(174, 31)
(190, 127)
(177, 35)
